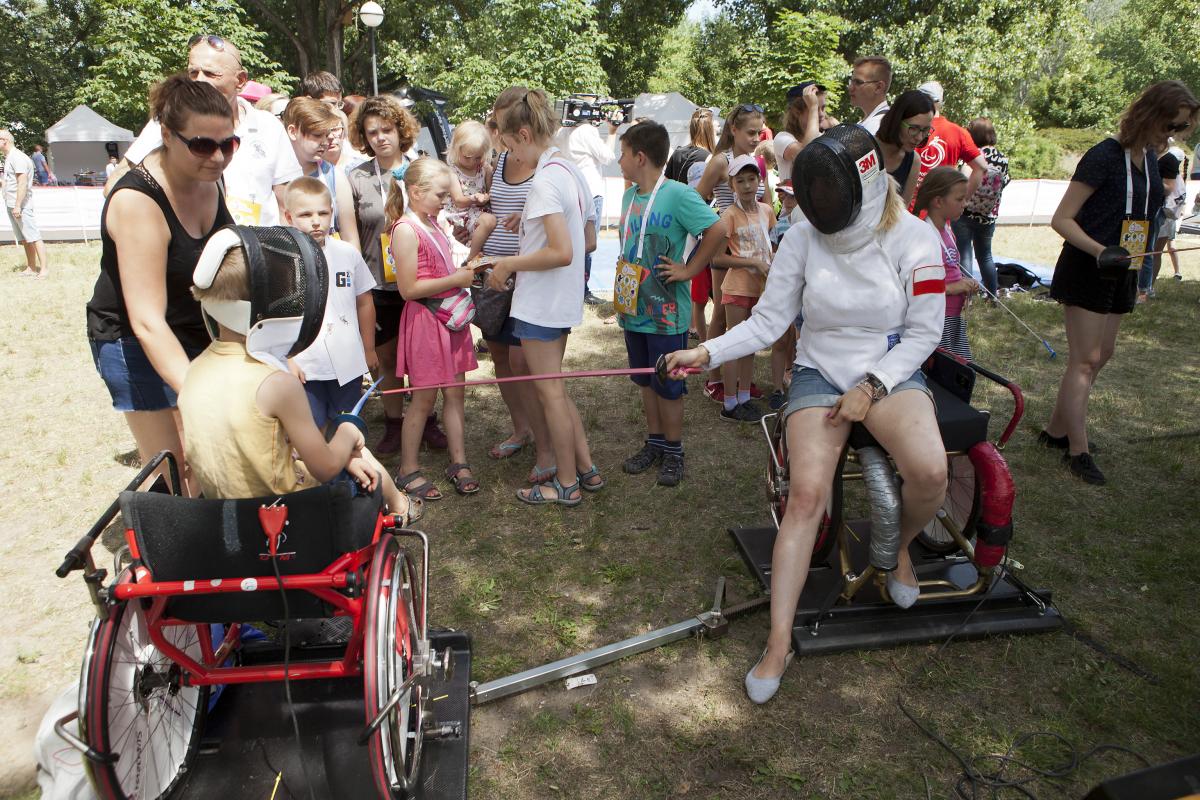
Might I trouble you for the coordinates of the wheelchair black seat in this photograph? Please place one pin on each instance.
(185, 539)
(962, 426)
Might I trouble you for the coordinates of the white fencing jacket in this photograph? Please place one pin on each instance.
(873, 302)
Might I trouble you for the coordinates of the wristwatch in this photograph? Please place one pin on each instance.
(877, 390)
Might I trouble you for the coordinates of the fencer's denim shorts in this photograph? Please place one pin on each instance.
(130, 377)
(809, 389)
(539, 333)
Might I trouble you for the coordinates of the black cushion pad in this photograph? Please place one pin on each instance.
(961, 425)
(181, 539)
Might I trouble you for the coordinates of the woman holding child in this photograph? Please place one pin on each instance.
(144, 326)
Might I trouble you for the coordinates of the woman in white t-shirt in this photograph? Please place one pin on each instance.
(548, 298)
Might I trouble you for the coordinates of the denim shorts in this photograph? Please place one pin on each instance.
(644, 350)
(809, 389)
(130, 377)
(538, 333)
(327, 399)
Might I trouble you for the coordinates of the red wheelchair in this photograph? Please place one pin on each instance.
(155, 652)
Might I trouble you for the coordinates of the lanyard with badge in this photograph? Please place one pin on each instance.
(629, 275)
(1135, 233)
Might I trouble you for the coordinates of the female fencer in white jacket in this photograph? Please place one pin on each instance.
(871, 290)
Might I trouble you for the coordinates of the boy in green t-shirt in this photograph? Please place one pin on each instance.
(657, 217)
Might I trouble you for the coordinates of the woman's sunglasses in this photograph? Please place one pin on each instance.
(204, 147)
(750, 108)
(1176, 127)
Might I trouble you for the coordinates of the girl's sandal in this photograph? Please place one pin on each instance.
(591, 480)
(424, 490)
(508, 449)
(535, 497)
(463, 484)
(538, 475)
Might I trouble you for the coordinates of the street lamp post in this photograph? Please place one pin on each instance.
(371, 15)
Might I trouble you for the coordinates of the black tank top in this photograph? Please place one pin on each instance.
(107, 318)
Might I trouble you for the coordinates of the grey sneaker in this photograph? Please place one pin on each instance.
(643, 459)
(745, 412)
(670, 472)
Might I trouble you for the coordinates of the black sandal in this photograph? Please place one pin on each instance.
(463, 485)
(424, 490)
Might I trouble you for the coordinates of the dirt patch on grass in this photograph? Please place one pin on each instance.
(535, 585)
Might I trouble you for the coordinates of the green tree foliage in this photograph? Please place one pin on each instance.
(1153, 40)
(638, 32)
(45, 58)
(1077, 88)
(138, 42)
(733, 59)
(555, 45)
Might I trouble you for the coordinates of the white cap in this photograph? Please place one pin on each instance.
(933, 89)
(740, 163)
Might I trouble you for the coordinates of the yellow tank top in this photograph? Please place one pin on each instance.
(234, 449)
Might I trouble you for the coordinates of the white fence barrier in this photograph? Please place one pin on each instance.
(72, 213)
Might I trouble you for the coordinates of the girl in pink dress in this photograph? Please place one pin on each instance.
(429, 353)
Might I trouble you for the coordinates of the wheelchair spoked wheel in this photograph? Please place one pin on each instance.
(134, 705)
(961, 506)
(390, 648)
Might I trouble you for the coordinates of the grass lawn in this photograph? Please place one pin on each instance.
(534, 585)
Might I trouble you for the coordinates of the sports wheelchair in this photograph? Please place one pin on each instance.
(956, 555)
(156, 650)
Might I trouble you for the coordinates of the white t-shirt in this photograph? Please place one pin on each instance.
(264, 160)
(17, 163)
(554, 297)
(583, 145)
(338, 352)
(783, 140)
(871, 121)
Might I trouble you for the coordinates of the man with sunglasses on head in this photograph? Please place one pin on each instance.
(262, 166)
(868, 85)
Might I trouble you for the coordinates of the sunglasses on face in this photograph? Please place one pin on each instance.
(204, 147)
(923, 130)
(1176, 127)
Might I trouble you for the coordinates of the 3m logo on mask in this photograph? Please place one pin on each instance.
(868, 166)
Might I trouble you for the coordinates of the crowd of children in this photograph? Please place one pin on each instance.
(506, 193)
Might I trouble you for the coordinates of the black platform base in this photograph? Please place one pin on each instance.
(249, 739)
(869, 623)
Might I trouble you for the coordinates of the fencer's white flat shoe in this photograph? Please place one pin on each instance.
(902, 594)
(760, 690)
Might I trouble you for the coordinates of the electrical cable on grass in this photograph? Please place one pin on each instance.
(287, 683)
(973, 776)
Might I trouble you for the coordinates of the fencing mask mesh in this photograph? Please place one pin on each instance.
(288, 282)
(832, 174)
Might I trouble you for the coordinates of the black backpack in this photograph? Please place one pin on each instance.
(682, 160)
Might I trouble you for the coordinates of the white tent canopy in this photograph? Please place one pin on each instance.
(82, 141)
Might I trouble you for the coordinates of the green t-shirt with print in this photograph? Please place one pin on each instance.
(662, 308)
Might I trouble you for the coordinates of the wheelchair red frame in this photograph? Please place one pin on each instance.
(375, 586)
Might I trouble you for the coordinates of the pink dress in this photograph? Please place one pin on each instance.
(428, 352)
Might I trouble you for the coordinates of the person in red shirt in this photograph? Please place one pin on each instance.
(948, 146)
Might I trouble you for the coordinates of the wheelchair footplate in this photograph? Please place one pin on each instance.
(248, 739)
(869, 622)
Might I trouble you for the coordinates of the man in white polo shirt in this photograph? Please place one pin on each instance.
(18, 199)
(868, 86)
(263, 165)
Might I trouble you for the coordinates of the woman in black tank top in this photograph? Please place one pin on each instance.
(143, 323)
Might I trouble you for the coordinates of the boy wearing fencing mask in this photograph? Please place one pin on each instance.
(869, 280)
(248, 428)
